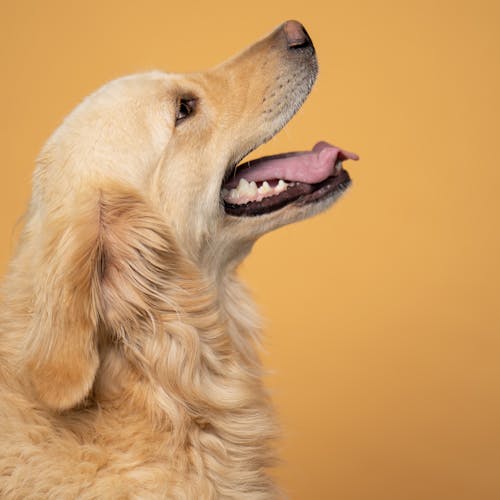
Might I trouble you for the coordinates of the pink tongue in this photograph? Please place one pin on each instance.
(310, 167)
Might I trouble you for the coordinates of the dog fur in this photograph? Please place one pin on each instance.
(128, 347)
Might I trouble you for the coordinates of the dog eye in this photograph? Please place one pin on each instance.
(185, 107)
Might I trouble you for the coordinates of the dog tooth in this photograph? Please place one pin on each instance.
(265, 188)
(233, 194)
(338, 166)
(253, 188)
(244, 187)
(282, 185)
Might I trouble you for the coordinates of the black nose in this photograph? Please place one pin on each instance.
(296, 35)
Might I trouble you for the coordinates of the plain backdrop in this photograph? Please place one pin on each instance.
(382, 315)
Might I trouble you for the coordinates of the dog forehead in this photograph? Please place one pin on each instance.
(150, 85)
(136, 89)
(140, 97)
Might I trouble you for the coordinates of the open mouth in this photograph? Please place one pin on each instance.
(270, 183)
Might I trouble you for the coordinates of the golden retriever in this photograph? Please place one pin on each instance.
(128, 347)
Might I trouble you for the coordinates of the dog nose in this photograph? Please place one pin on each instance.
(296, 35)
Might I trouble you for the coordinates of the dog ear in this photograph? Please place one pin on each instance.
(109, 269)
(61, 349)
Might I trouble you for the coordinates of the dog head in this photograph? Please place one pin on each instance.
(177, 139)
(145, 170)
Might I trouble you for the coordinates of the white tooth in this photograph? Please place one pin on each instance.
(265, 188)
(224, 192)
(242, 186)
(338, 166)
(233, 194)
(253, 189)
(282, 185)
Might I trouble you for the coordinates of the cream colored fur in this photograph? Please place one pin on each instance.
(128, 348)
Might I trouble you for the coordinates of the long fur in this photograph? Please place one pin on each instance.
(129, 362)
(128, 335)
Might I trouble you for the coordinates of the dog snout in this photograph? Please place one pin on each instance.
(296, 36)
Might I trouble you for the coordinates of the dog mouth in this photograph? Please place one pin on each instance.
(270, 183)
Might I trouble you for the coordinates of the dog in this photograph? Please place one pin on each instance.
(129, 362)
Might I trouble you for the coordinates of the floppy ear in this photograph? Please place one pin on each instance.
(61, 349)
(108, 269)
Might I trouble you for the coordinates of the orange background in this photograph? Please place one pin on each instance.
(383, 315)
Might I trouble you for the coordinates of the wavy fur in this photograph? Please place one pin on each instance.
(129, 362)
(128, 332)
